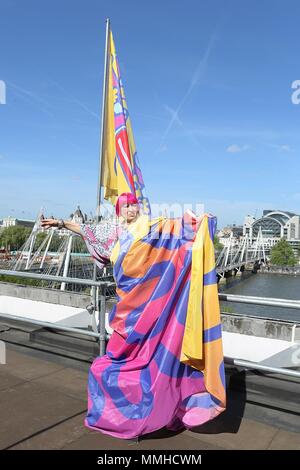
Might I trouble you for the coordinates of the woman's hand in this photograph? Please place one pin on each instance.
(194, 216)
(48, 223)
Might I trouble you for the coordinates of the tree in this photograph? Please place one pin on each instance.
(81, 246)
(40, 237)
(56, 242)
(282, 254)
(14, 237)
(218, 246)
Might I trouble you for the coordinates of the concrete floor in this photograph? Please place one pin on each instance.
(43, 405)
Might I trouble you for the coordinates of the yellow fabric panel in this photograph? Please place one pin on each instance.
(192, 347)
(211, 305)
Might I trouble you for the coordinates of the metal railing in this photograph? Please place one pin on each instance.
(256, 366)
(248, 299)
(101, 287)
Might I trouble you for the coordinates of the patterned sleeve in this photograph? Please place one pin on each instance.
(100, 240)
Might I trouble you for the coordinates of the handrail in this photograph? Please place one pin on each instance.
(247, 299)
(46, 324)
(49, 277)
(257, 366)
(268, 301)
(101, 300)
(102, 285)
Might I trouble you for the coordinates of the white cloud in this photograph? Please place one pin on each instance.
(282, 147)
(234, 148)
(162, 148)
(285, 148)
(2, 92)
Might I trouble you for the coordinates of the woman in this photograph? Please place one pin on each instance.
(101, 238)
(164, 362)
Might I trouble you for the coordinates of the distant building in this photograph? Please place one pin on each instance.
(233, 232)
(13, 221)
(78, 217)
(274, 225)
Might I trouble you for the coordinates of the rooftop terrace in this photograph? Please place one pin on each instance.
(43, 405)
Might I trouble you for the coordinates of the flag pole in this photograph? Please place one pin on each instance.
(101, 150)
(105, 83)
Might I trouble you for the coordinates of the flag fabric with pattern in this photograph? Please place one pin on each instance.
(120, 166)
(163, 365)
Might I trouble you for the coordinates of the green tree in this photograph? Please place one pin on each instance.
(19, 280)
(218, 246)
(40, 237)
(14, 237)
(282, 254)
(55, 242)
(82, 246)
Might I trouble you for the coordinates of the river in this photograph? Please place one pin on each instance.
(264, 285)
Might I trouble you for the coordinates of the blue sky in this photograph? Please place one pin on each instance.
(208, 86)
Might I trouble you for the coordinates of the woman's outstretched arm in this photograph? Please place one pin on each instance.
(99, 238)
(48, 223)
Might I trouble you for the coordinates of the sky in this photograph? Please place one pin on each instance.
(209, 91)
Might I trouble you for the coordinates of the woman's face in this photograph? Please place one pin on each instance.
(130, 212)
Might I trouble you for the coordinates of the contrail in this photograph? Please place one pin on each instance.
(32, 97)
(71, 99)
(197, 76)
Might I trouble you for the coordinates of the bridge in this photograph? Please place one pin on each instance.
(235, 258)
(68, 258)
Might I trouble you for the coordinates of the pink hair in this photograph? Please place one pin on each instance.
(125, 198)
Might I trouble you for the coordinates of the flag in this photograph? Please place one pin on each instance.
(120, 166)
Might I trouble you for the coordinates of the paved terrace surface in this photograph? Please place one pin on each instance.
(43, 405)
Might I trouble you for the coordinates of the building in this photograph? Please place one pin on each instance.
(78, 217)
(231, 232)
(13, 221)
(274, 225)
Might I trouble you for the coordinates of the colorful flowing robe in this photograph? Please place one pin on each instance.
(164, 361)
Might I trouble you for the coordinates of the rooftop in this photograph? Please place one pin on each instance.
(43, 405)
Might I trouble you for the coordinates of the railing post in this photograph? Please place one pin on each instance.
(102, 312)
